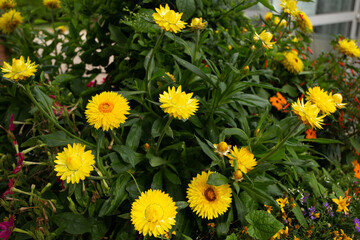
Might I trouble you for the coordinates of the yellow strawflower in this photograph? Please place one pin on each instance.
(206, 200)
(168, 20)
(348, 47)
(342, 204)
(178, 104)
(10, 20)
(52, 3)
(268, 16)
(222, 148)
(197, 24)
(19, 70)
(292, 62)
(73, 163)
(321, 99)
(304, 22)
(290, 7)
(7, 4)
(153, 213)
(338, 100)
(308, 113)
(244, 159)
(265, 37)
(107, 110)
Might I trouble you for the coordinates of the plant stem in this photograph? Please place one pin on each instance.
(134, 181)
(197, 38)
(163, 133)
(23, 231)
(280, 144)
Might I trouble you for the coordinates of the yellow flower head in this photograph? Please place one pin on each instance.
(283, 22)
(268, 16)
(321, 99)
(197, 24)
(338, 100)
(308, 113)
(206, 200)
(10, 20)
(153, 213)
(107, 110)
(178, 104)
(222, 148)
(61, 29)
(290, 7)
(304, 22)
(292, 62)
(7, 4)
(73, 163)
(52, 3)
(349, 48)
(19, 70)
(168, 20)
(268, 208)
(265, 37)
(282, 202)
(342, 204)
(244, 159)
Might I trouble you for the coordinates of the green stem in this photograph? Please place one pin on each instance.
(14, 189)
(280, 144)
(162, 134)
(25, 232)
(137, 186)
(34, 163)
(32, 148)
(28, 91)
(197, 38)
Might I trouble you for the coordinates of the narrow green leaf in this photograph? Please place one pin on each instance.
(267, 4)
(134, 135)
(210, 153)
(181, 205)
(233, 131)
(187, 7)
(321, 140)
(300, 216)
(57, 139)
(355, 144)
(44, 100)
(72, 223)
(217, 179)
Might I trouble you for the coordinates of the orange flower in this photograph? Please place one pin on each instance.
(281, 98)
(310, 133)
(354, 162)
(357, 171)
(279, 101)
(356, 152)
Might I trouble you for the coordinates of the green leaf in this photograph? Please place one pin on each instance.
(321, 140)
(157, 182)
(355, 144)
(72, 223)
(233, 131)
(217, 179)
(300, 216)
(155, 161)
(134, 135)
(181, 205)
(207, 150)
(251, 100)
(258, 194)
(57, 139)
(187, 7)
(62, 78)
(267, 4)
(263, 225)
(116, 34)
(231, 237)
(127, 154)
(319, 190)
(172, 176)
(44, 100)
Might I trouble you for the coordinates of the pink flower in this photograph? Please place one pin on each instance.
(11, 125)
(91, 83)
(20, 164)
(10, 185)
(7, 227)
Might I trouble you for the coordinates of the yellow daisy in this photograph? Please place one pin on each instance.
(338, 100)
(304, 22)
(342, 204)
(178, 104)
(10, 20)
(206, 200)
(268, 16)
(197, 24)
(321, 99)
(244, 159)
(349, 48)
(153, 213)
(7, 4)
(222, 148)
(290, 7)
(52, 3)
(73, 163)
(168, 20)
(265, 37)
(308, 113)
(107, 110)
(19, 70)
(292, 62)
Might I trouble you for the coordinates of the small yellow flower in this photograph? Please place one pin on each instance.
(171, 76)
(290, 7)
(61, 29)
(52, 3)
(238, 175)
(304, 22)
(244, 159)
(268, 16)
(146, 146)
(230, 47)
(153, 213)
(19, 70)
(197, 24)
(282, 202)
(283, 22)
(292, 62)
(222, 148)
(10, 20)
(265, 37)
(295, 39)
(7, 4)
(338, 101)
(206, 200)
(73, 163)
(107, 110)
(168, 20)
(349, 48)
(342, 204)
(321, 99)
(178, 104)
(268, 208)
(308, 113)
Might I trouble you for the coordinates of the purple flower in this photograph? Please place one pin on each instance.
(328, 209)
(357, 224)
(312, 213)
(7, 227)
(305, 198)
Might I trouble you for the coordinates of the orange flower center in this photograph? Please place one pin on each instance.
(106, 107)
(210, 194)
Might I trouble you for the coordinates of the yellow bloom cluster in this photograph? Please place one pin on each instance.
(292, 62)
(7, 4)
(10, 20)
(265, 37)
(349, 48)
(304, 22)
(54, 4)
(168, 20)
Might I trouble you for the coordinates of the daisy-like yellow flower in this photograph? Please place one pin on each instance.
(73, 163)
(349, 48)
(168, 20)
(304, 22)
(206, 200)
(292, 62)
(19, 70)
(265, 37)
(52, 3)
(321, 99)
(268, 16)
(308, 113)
(153, 213)
(338, 101)
(222, 148)
(178, 104)
(244, 159)
(290, 7)
(342, 204)
(7, 4)
(197, 24)
(10, 20)
(107, 110)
